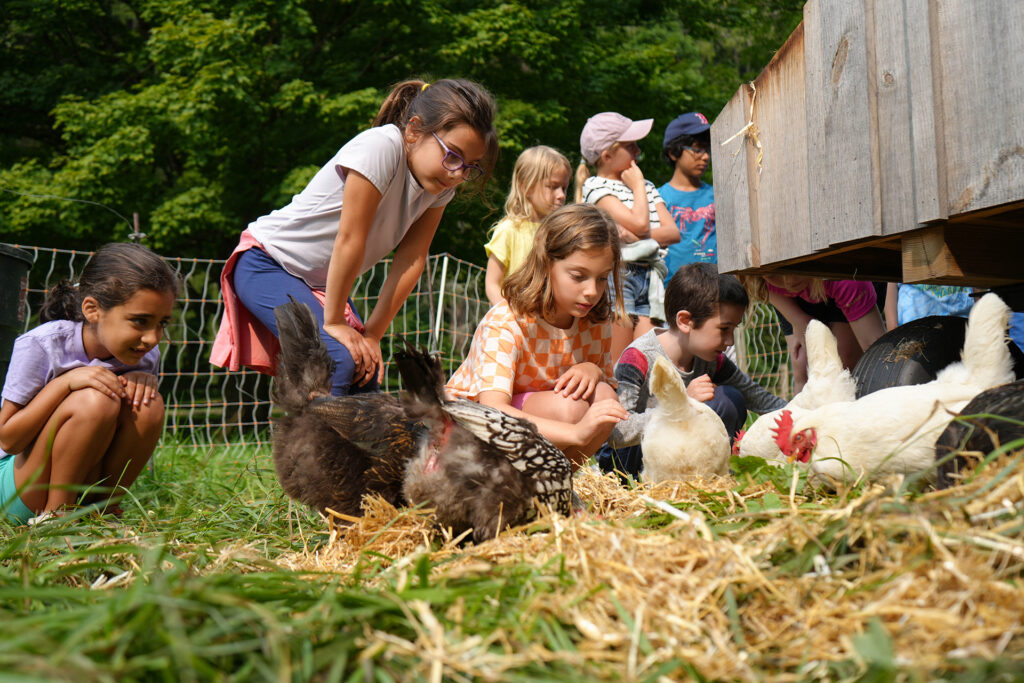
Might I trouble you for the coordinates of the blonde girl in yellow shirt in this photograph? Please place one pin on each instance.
(540, 180)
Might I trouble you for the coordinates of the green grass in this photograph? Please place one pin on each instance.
(196, 595)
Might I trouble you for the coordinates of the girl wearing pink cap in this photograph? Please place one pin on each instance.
(609, 144)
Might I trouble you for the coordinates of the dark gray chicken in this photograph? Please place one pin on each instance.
(478, 467)
(993, 418)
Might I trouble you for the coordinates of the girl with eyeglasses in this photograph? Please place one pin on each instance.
(385, 190)
(609, 144)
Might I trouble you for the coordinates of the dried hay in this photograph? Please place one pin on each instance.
(741, 581)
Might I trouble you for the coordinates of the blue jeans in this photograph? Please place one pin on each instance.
(262, 284)
(728, 404)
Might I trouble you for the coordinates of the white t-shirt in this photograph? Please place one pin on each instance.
(300, 236)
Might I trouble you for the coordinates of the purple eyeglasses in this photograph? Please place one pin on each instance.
(454, 162)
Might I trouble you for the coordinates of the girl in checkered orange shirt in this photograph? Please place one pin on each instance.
(544, 352)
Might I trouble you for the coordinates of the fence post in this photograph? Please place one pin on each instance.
(435, 341)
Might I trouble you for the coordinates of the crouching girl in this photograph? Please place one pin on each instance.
(80, 409)
(543, 353)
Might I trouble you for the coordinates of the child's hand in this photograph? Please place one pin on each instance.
(633, 177)
(701, 389)
(365, 352)
(579, 381)
(601, 413)
(100, 379)
(139, 387)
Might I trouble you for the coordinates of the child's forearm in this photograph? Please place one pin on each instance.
(410, 259)
(493, 280)
(20, 426)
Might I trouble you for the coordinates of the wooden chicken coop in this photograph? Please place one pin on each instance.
(884, 141)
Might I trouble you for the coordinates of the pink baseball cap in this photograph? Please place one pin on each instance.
(605, 129)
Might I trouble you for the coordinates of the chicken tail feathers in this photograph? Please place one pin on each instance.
(422, 376)
(986, 357)
(304, 368)
(668, 386)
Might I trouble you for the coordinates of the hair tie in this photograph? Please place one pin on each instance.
(425, 86)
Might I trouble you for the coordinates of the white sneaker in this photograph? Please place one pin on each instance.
(40, 518)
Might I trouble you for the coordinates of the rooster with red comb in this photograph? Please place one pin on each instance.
(894, 430)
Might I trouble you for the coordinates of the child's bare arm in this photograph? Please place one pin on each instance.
(406, 268)
(361, 199)
(667, 232)
(636, 220)
(493, 279)
(20, 424)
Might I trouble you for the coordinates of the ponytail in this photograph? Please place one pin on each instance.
(582, 173)
(441, 106)
(396, 105)
(61, 303)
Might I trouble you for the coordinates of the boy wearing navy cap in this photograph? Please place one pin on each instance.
(691, 201)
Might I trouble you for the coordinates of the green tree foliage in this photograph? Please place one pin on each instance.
(202, 115)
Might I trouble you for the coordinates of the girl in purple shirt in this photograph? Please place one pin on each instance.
(80, 403)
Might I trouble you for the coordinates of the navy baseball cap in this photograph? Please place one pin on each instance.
(693, 123)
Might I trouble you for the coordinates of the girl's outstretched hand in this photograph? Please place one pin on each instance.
(100, 379)
(601, 413)
(701, 389)
(139, 387)
(365, 352)
(579, 381)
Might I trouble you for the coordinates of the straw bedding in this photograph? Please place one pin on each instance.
(736, 578)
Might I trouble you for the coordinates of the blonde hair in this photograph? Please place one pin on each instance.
(534, 165)
(757, 287)
(583, 170)
(572, 228)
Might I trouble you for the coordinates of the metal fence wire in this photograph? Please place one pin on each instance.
(208, 405)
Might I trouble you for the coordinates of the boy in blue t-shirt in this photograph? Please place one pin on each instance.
(690, 200)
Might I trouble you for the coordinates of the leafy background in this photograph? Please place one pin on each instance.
(201, 115)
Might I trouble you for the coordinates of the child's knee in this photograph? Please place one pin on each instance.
(92, 404)
(604, 391)
(146, 417)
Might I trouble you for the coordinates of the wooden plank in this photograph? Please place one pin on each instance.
(982, 66)
(844, 193)
(780, 188)
(737, 248)
(904, 117)
(945, 254)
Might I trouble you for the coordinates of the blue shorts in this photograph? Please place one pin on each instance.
(15, 510)
(636, 288)
(262, 284)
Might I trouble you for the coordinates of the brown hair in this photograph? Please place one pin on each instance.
(440, 106)
(699, 289)
(572, 228)
(112, 276)
(534, 165)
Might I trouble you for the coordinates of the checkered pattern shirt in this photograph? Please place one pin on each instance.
(514, 355)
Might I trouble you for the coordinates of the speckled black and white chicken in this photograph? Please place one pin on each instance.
(992, 419)
(476, 466)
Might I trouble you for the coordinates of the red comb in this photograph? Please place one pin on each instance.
(736, 442)
(783, 431)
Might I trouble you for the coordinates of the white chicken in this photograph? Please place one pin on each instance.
(828, 381)
(684, 436)
(894, 430)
